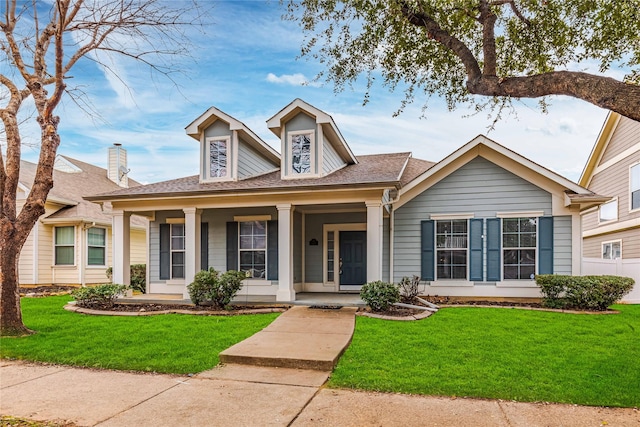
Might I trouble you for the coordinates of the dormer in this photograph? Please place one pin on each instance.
(312, 145)
(229, 150)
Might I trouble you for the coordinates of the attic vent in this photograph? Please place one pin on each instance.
(63, 165)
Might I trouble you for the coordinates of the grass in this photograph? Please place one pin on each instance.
(501, 354)
(170, 343)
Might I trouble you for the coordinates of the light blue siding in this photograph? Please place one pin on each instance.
(154, 242)
(562, 245)
(385, 249)
(297, 247)
(251, 162)
(331, 159)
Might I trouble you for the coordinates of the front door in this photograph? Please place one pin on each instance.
(353, 260)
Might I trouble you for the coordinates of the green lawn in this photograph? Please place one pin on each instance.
(500, 353)
(171, 343)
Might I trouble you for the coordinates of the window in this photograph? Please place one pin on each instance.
(331, 256)
(608, 211)
(519, 239)
(451, 247)
(218, 157)
(634, 186)
(252, 248)
(612, 250)
(96, 246)
(301, 153)
(177, 251)
(64, 245)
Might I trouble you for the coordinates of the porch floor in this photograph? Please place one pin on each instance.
(302, 298)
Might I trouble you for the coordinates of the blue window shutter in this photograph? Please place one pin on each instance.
(427, 258)
(232, 245)
(493, 249)
(165, 251)
(545, 245)
(475, 250)
(204, 246)
(272, 250)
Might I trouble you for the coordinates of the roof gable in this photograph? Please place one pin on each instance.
(608, 128)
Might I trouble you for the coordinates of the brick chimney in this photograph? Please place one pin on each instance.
(117, 170)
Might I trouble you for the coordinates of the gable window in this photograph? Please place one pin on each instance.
(451, 248)
(301, 145)
(519, 239)
(608, 211)
(253, 248)
(612, 250)
(96, 246)
(218, 156)
(634, 186)
(177, 251)
(64, 245)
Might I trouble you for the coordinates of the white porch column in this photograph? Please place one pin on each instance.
(286, 292)
(121, 230)
(192, 222)
(374, 240)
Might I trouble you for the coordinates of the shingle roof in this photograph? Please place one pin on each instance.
(377, 169)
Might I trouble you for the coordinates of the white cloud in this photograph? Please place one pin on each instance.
(297, 79)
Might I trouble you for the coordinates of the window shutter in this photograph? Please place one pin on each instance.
(493, 249)
(545, 245)
(272, 250)
(232, 245)
(165, 251)
(475, 250)
(427, 260)
(204, 246)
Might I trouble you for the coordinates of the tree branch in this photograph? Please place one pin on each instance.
(488, 21)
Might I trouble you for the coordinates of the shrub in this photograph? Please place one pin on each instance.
(98, 296)
(409, 288)
(583, 292)
(214, 288)
(138, 276)
(380, 295)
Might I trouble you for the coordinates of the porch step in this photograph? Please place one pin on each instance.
(301, 338)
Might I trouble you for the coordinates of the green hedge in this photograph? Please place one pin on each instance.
(582, 292)
(98, 296)
(211, 287)
(380, 295)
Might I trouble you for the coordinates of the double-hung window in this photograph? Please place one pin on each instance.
(519, 241)
(96, 246)
(218, 156)
(64, 245)
(634, 186)
(253, 248)
(177, 251)
(451, 248)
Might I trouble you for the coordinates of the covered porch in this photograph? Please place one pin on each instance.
(323, 299)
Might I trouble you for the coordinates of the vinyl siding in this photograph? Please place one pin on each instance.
(138, 251)
(562, 245)
(385, 249)
(331, 160)
(250, 162)
(626, 135)
(592, 246)
(479, 187)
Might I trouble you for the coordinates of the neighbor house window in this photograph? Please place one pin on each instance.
(301, 153)
(608, 211)
(519, 239)
(177, 251)
(253, 248)
(612, 250)
(64, 245)
(634, 186)
(96, 246)
(451, 247)
(218, 148)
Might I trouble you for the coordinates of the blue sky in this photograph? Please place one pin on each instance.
(245, 64)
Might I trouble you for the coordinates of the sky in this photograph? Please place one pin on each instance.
(245, 63)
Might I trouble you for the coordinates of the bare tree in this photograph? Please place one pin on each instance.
(41, 42)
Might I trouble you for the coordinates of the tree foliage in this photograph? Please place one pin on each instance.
(504, 49)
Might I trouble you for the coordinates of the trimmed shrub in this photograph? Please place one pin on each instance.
(380, 295)
(138, 276)
(98, 296)
(211, 287)
(409, 288)
(583, 292)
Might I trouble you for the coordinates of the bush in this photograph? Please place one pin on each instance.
(380, 295)
(211, 287)
(138, 277)
(98, 296)
(583, 292)
(409, 288)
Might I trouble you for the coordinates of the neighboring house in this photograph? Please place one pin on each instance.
(72, 242)
(317, 218)
(611, 232)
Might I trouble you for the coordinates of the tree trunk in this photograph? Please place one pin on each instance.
(11, 315)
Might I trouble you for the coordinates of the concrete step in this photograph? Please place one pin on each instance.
(301, 338)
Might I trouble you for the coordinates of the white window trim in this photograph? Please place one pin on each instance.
(522, 214)
(55, 245)
(459, 282)
(266, 245)
(336, 228)
(106, 248)
(248, 218)
(608, 221)
(631, 210)
(518, 282)
(444, 217)
(314, 173)
(171, 251)
(207, 162)
(609, 242)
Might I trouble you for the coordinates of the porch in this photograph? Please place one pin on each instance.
(302, 298)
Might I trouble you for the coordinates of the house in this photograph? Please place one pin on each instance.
(315, 217)
(611, 231)
(72, 242)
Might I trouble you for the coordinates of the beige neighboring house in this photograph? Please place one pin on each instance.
(71, 244)
(611, 232)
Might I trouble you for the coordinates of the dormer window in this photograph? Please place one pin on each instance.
(218, 148)
(301, 153)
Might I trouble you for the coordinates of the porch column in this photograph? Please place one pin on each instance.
(121, 241)
(192, 222)
(374, 240)
(286, 292)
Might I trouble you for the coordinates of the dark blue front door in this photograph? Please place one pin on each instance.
(353, 258)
